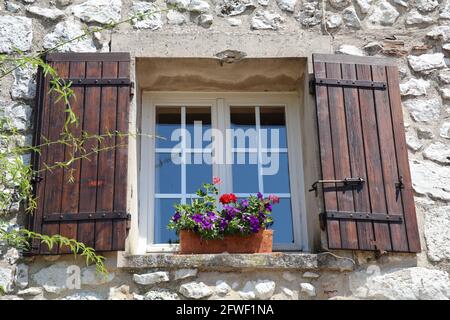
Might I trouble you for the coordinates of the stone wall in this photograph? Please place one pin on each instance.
(416, 33)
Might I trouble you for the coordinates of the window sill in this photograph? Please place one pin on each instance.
(234, 262)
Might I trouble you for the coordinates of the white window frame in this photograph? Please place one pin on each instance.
(220, 103)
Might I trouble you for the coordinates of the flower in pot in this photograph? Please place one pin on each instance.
(238, 226)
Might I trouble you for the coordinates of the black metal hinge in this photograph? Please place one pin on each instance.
(65, 217)
(380, 85)
(362, 216)
(358, 216)
(97, 82)
(100, 82)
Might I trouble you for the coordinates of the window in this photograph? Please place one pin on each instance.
(243, 138)
(179, 167)
(345, 135)
(263, 165)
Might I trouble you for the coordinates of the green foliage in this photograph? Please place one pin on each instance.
(15, 180)
(206, 202)
(203, 216)
(21, 239)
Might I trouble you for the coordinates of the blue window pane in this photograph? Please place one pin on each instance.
(273, 125)
(168, 119)
(198, 121)
(243, 124)
(197, 173)
(275, 169)
(282, 226)
(242, 117)
(245, 173)
(164, 211)
(167, 174)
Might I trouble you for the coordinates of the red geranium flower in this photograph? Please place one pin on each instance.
(274, 199)
(224, 199)
(227, 198)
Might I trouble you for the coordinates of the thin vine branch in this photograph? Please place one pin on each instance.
(22, 238)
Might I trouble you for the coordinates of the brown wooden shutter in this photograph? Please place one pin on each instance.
(362, 146)
(93, 208)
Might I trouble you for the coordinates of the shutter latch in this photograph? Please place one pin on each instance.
(312, 84)
(347, 182)
(36, 179)
(131, 89)
(400, 184)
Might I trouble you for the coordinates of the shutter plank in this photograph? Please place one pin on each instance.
(120, 180)
(402, 160)
(326, 155)
(88, 174)
(349, 237)
(53, 194)
(373, 159)
(357, 156)
(70, 192)
(389, 161)
(106, 158)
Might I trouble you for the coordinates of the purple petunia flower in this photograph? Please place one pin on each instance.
(197, 218)
(229, 208)
(260, 196)
(244, 204)
(254, 224)
(223, 224)
(261, 215)
(268, 207)
(229, 216)
(230, 212)
(176, 217)
(212, 216)
(206, 225)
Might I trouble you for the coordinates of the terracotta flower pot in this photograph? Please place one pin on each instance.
(261, 242)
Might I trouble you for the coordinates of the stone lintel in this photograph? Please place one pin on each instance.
(207, 45)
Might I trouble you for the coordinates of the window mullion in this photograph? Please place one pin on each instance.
(258, 130)
(222, 125)
(183, 155)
